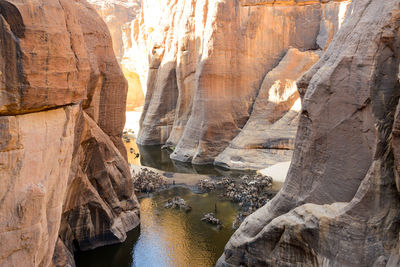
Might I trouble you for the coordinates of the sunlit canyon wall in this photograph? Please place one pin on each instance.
(64, 179)
(120, 16)
(221, 75)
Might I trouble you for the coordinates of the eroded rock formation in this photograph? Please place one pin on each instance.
(268, 136)
(206, 63)
(119, 16)
(339, 205)
(63, 165)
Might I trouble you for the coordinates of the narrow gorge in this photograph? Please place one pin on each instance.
(199, 133)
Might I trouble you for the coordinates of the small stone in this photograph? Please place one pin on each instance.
(177, 203)
(210, 218)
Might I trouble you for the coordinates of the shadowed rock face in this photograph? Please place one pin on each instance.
(65, 183)
(205, 66)
(339, 205)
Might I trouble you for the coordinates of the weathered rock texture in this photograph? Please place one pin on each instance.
(119, 15)
(268, 136)
(64, 178)
(339, 205)
(207, 61)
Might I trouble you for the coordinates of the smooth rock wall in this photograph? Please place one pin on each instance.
(339, 205)
(206, 62)
(35, 159)
(62, 111)
(268, 136)
(119, 15)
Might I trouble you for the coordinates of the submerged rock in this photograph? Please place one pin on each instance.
(210, 218)
(177, 203)
(251, 192)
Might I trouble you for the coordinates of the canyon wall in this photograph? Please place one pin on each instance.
(65, 182)
(340, 203)
(212, 65)
(119, 16)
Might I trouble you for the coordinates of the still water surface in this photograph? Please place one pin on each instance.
(169, 237)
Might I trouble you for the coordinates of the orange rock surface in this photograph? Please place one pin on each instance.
(205, 61)
(62, 111)
(339, 205)
(119, 15)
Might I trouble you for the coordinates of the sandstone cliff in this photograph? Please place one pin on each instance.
(119, 16)
(62, 108)
(339, 205)
(209, 65)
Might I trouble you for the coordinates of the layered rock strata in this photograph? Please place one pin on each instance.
(65, 182)
(339, 205)
(206, 63)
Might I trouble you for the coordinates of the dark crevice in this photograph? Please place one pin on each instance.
(13, 17)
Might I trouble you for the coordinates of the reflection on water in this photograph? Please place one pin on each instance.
(155, 157)
(170, 238)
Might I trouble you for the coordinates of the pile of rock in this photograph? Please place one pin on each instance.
(177, 203)
(251, 192)
(206, 185)
(148, 181)
(210, 218)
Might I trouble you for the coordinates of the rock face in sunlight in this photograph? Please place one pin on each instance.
(268, 136)
(119, 16)
(65, 182)
(339, 205)
(209, 65)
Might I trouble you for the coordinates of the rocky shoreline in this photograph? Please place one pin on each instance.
(250, 192)
(148, 181)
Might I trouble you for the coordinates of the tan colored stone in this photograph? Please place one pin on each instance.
(135, 96)
(268, 136)
(42, 68)
(35, 159)
(100, 205)
(206, 61)
(339, 205)
(62, 111)
(119, 15)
